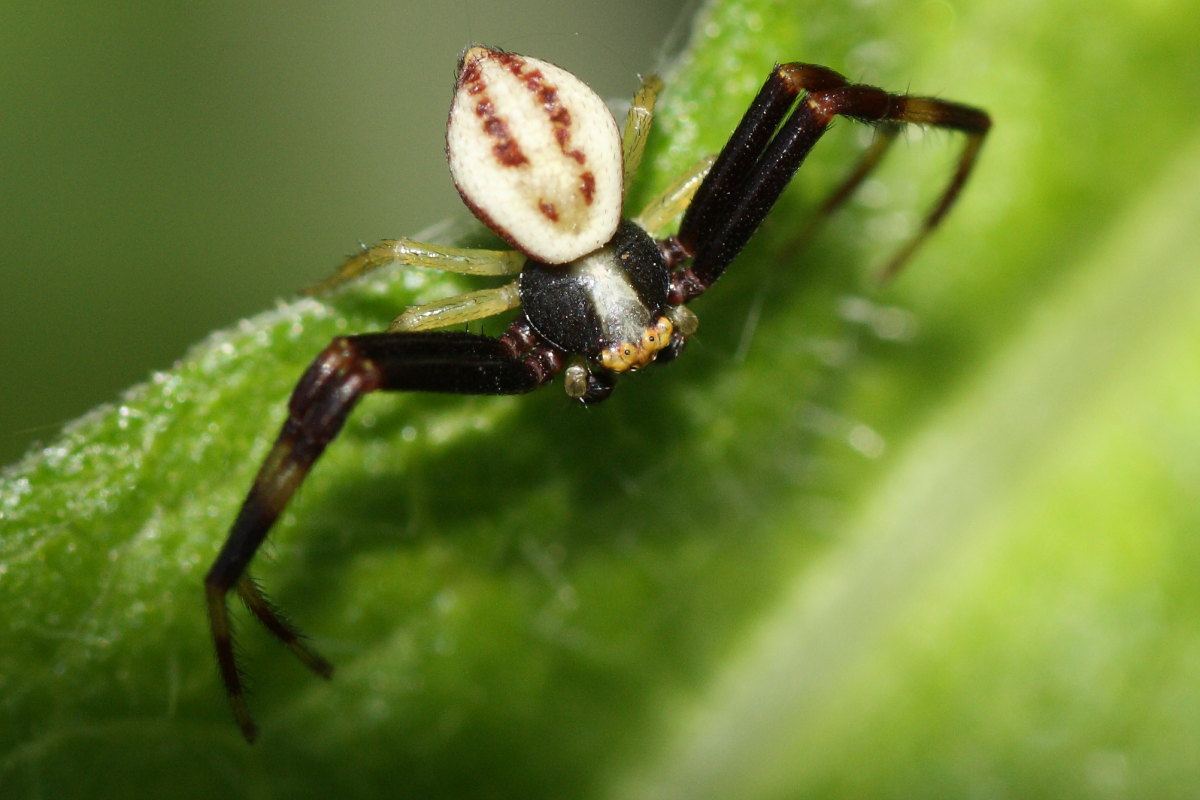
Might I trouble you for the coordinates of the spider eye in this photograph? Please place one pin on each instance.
(535, 154)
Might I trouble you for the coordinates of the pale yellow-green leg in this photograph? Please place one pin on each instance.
(457, 310)
(637, 124)
(674, 200)
(420, 254)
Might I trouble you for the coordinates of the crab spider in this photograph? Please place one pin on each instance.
(539, 158)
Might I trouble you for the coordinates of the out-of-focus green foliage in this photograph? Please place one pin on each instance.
(934, 540)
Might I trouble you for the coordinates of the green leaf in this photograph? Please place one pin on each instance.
(933, 540)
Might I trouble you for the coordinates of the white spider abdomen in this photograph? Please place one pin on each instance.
(535, 154)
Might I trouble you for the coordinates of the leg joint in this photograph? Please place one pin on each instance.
(543, 362)
(800, 77)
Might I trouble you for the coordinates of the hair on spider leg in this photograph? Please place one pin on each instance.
(538, 157)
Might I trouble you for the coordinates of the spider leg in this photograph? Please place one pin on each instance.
(885, 136)
(347, 369)
(769, 145)
(465, 261)
(637, 125)
(675, 199)
(269, 615)
(456, 310)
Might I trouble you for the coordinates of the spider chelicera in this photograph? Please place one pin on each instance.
(538, 157)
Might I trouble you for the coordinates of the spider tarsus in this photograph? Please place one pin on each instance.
(896, 263)
(274, 620)
(231, 676)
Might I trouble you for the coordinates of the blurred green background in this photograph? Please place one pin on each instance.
(938, 539)
(170, 168)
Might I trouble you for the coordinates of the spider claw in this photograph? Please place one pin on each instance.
(311, 659)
